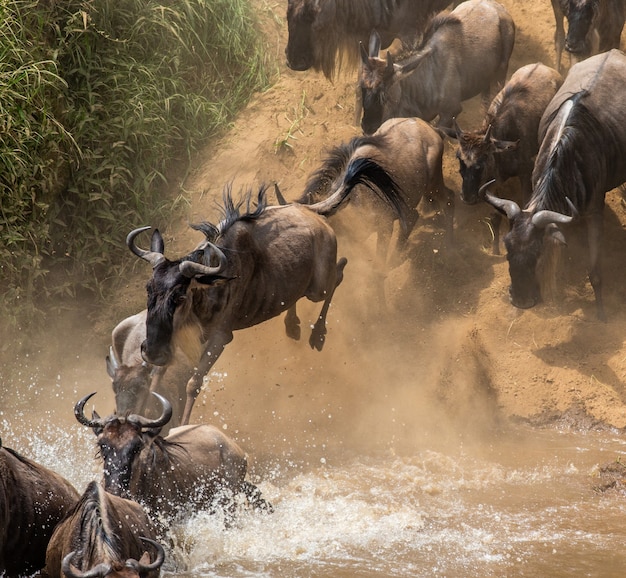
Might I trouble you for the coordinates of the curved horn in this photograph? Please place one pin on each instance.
(153, 257)
(158, 562)
(79, 412)
(192, 269)
(510, 208)
(542, 219)
(113, 363)
(165, 417)
(99, 571)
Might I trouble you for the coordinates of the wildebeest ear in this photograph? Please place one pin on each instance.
(152, 432)
(213, 280)
(447, 131)
(156, 244)
(408, 67)
(374, 45)
(555, 234)
(504, 145)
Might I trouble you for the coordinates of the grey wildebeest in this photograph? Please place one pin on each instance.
(594, 26)
(324, 32)
(104, 535)
(194, 466)
(267, 259)
(33, 500)
(581, 157)
(133, 379)
(411, 151)
(463, 53)
(506, 144)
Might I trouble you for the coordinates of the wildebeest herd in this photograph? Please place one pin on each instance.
(561, 133)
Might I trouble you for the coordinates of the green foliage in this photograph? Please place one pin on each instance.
(102, 104)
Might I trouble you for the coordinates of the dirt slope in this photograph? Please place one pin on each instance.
(451, 350)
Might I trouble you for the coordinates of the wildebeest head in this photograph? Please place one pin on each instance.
(476, 159)
(579, 18)
(168, 288)
(131, 568)
(529, 231)
(131, 383)
(120, 440)
(301, 16)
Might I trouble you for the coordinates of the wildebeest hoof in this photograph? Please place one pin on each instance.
(317, 339)
(293, 331)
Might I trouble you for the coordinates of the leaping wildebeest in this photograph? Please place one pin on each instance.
(506, 144)
(133, 379)
(463, 53)
(33, 500)
(581, 157)
(104, 535)
(411, 151)
(324, 32)
(251, 268)
(194, 466)
(593, 26)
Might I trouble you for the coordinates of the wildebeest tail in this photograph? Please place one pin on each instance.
(364, 171)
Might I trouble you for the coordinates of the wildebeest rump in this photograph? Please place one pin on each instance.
(506, 144)
(411, 151)
(594, 26)
(324, 32)
(104, 535)
(194, 466)
(463, 53)
(133, 378)
(269, 258)
(33, 499)
(581, 158)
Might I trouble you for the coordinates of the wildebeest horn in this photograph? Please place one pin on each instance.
(457, 128)
(155, 255)
(542, 219)
(166, 415)
(79, 412)
(99, 571)
(487, 134)
(192, 269)
(112, 362)
(510, 208)
(144, 568)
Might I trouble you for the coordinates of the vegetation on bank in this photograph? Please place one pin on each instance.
(101, 104)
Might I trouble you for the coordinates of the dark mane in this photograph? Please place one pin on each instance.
(232, 212)
(94, 531)
(335, 162)
(507, 100)
(436, 22)
(570, 171)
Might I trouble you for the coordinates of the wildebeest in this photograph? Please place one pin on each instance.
(581, 157)
(194, 466)
(506, 144)
(463, 53)
(267, 259)
(411, 151)
(104, 535)
(133, 378)
(33, 500)
(323, 32)
(594, 26)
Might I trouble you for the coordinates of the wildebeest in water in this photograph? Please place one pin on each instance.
(104, 535)
(194, 466)
(324, 32)
(594, 26)
(33, 500)
(506, 144)
(251, 267)
(463, 53)
(583, 147)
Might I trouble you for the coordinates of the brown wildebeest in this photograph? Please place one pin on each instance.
(267, 259)
(463, 53)
(581, 157)
(506, 144)
(594, 26)
(104, 535)
(324, 32)
(33, 500)
(194, 466)
(133, 378)
(410, 150)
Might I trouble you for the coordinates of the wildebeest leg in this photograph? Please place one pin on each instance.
(211, 353)
(318, 335)
(292, 323)
(255, 499)
(559, 33)
(595, 235)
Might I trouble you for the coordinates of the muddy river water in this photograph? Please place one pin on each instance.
(524, 503)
